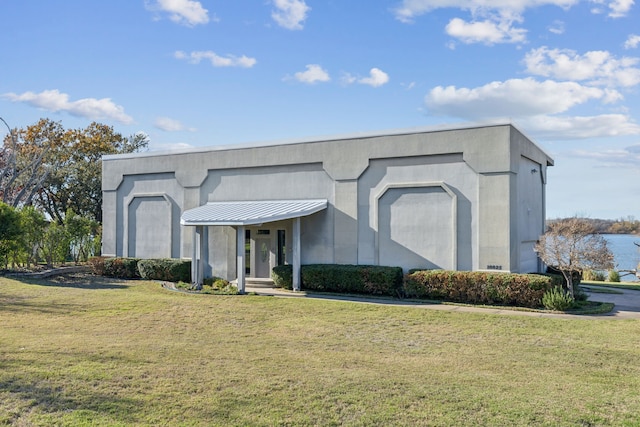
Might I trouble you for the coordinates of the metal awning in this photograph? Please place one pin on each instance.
(251, 212)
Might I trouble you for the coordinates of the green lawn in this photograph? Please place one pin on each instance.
(633, 286)
(130, 353)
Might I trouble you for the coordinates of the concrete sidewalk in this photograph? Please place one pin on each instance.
(627, 304)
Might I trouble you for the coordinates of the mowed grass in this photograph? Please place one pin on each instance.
(97, 352)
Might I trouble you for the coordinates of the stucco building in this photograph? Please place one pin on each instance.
(468, 198)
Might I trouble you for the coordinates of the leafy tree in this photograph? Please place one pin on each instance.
(55, 244)
(33, 225)
(571, 246)
(58, 169)
(9, 231)
(80, 231)
(77, 182)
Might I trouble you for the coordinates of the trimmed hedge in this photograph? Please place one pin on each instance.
(282, 276)
(122, 268)
(524, 290)
(96, 264)
(359, 279)
(169, 269)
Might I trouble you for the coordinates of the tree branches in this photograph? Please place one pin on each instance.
(571, 246)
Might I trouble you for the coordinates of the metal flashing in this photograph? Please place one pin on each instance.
(250, 212)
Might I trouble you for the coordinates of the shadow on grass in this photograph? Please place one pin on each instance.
(47, 398)
(34, 391)
(19, 304)
(78, 281)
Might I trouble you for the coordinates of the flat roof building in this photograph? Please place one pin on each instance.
(467, 198)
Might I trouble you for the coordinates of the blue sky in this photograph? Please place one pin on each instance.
(200, 73)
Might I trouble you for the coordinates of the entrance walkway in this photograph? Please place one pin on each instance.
(627, 303)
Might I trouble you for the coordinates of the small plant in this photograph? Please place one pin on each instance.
(218, 286)
(184, 285)
(579, 294)
(557, 299)
(614, 276)
(593, 276)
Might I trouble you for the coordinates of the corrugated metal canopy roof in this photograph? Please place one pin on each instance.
(252, 212)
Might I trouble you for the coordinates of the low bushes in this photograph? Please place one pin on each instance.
(282, 276)
(594, 275)
(358, 279)
(557, 299)
(211, 285)
(524, 290)
(170, 270)
(614, 276)
(122, 268)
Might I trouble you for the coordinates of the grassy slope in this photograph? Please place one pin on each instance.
(130, 353)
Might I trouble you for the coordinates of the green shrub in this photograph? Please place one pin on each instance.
(215, 282)
(282, 276)
(579, 294)
(122, 268)
(614, 276)
(218, 286)
(557, 299)
(169, 269)
(96, 264)
(359, 279)
(184, 285)
(593, 275)
(476, 287)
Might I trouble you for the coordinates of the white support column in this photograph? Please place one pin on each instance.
(194, 257)
(197, 267)
(296, 254)
(201, 243)
(240, 258)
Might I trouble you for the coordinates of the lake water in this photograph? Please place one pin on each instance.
(626, 254)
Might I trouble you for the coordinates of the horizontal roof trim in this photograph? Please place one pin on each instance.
(250, 212)
(305, 140)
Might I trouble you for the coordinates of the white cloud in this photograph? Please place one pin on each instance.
(169, 146)
(628, 157)
(410, 9)
(90, 108)
(183, 12)
(581, 127)
(512, 98)
(492, 21)
(314, 74)
(632, 41)
(348, 78)
(617, 8)
(595, 67)
(487, 32)
(557, 27)
(216, 60)
(290, 14)
(376, 78)
(170, 125)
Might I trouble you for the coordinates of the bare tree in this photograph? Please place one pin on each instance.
(571, 246)
(22, 168)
